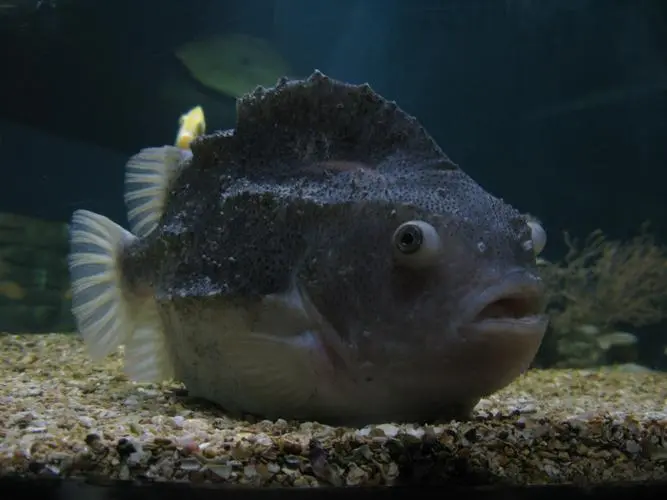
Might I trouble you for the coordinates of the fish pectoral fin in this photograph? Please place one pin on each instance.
(282, 315)
(273, 376)
(292, 319)
(148, 176)
(274, 359)
(106, 313)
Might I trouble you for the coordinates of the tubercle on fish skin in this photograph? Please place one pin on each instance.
(318, 76)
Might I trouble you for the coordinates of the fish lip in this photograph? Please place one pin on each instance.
(514, 305)
(534, 325)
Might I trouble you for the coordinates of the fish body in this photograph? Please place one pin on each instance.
(191, 125)
(324, 260)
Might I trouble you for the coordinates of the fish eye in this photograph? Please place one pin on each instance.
(538, 235)
(416, 243)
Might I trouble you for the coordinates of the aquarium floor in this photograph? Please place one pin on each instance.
(61, 415)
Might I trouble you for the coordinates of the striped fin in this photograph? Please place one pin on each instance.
(148, 175)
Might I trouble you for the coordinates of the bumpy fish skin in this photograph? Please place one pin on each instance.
(278, 285)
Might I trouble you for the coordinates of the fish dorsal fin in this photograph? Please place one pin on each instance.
(148, 176)
(322, 119)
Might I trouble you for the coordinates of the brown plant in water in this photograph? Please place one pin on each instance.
(604, 283)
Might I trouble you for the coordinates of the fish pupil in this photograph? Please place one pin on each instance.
(409, 239)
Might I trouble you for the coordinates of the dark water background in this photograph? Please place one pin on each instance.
(558, 106)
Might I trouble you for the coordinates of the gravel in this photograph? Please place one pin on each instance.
(61, 415)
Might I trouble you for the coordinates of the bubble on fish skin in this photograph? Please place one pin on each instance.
(481, 246)
(538, 236)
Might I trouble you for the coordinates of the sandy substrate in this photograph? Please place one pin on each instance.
(61, 415)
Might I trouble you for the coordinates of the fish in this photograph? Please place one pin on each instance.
(619, 339)
(324, 260)
(232, 64)
(191, 125)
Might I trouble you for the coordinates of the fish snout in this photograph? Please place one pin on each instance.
(502, 330)
(514, 305)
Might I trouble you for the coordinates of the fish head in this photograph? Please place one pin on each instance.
(425, 282)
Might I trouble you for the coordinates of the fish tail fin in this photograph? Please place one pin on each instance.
(107, 313)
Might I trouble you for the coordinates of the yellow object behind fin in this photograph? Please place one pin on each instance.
(192, 125)
(148, 175)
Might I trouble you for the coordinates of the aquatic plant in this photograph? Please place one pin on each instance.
(605, 283)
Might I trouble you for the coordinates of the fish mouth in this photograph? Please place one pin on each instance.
(513, 306)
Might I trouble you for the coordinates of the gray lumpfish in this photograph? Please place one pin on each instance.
(324, 260)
